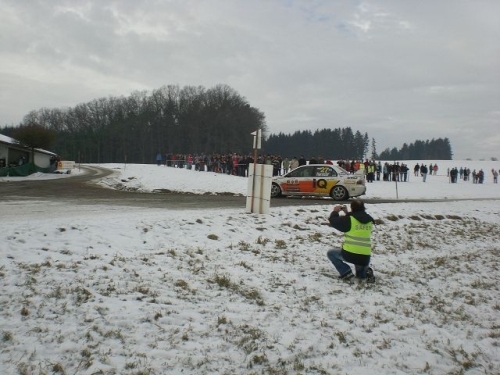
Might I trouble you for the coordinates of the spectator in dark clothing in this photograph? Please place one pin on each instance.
(404, 171)
(454, 175)
(423, 172)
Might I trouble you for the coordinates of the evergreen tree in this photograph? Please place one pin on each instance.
(436, 149)
(374, 150)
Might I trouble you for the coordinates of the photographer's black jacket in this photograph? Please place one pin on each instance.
(343, 223)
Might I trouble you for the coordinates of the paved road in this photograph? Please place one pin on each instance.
(82, 189)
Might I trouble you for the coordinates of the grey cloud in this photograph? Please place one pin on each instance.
(398, 70)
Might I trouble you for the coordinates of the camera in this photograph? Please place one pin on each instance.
(343, 208)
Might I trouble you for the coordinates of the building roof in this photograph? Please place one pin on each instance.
(12, 141)
(5, 139)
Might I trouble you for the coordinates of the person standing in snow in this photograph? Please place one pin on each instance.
(480, 176)
(423, 172)
(378, 170)
(356, 249)
(404, 172)
(286, 165)
(454, 175)
(386, 171)
(158, 158)
(416, 169)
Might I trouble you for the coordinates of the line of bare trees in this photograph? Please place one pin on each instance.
(135, 128)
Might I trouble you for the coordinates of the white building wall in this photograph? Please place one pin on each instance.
(42, 160)
(4, 151)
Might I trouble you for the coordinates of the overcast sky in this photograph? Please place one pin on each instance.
(398, 70)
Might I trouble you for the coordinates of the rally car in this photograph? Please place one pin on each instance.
(320, 180)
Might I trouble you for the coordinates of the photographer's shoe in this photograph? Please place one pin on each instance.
(346, 276)
(370, 278)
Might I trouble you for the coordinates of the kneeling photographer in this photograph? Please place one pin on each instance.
(356, 249)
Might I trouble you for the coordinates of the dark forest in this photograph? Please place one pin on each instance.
(196, 120)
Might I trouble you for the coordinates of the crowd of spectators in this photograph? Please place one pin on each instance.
(230, 163)
(465, 174)
(238, 164)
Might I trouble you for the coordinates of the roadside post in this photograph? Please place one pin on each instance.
(259, 181)
(396, 176)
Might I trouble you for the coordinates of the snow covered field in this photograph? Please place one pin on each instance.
(110, 290)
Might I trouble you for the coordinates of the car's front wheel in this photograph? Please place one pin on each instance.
(339, 193)
(275, 190)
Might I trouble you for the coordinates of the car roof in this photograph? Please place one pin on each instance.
(323, 165)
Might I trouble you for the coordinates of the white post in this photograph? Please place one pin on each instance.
(259, 185)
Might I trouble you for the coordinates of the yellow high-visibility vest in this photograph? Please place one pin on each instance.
(357, 240)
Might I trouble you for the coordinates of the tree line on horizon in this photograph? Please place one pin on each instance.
(334, 144)
(189, 120)
(435, 149)
(343, 143)
(135, 128)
